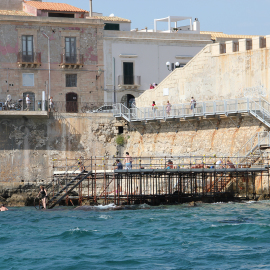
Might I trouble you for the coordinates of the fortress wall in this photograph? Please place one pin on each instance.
(212, 75)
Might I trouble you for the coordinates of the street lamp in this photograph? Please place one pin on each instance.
(49, 62)
(172, 66)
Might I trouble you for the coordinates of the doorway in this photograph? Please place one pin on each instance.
(128, 100)
(71, 102)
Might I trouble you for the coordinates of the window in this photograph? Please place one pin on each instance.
(128, 73)
(71, 80)
(28, 79)
(65, 15)
(111, 26)
(27, 49)
(70, 47)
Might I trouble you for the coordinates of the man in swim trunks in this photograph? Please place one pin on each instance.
(3, 208)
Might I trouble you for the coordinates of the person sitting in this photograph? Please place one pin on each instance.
(230, 165)
(119, 165)
(169, 164)
(219, 164)
(82, 167)
(3, 208)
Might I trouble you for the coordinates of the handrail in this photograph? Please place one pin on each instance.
(252, 139)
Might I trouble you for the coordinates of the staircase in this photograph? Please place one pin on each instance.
(248, 155)
(67, 189)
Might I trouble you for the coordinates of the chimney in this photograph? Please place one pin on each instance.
(91, 11)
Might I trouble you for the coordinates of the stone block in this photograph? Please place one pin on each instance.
(229, 46)
(242, 45)
(215, 49)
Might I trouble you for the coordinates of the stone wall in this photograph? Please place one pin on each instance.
(212, 75)
(204, 137)
(29, 145)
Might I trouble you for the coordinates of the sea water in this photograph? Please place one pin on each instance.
(208, 236)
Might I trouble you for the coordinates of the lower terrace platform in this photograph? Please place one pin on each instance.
(99, 183)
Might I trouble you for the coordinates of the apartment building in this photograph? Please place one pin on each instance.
(51, 48)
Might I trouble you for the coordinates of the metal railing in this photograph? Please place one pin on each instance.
(76, 59)
(32, 58)
(82, 107)
(260, 138)
(129, 80)
(259, 108)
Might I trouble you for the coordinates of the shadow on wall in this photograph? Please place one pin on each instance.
(175, 125)
(38, 134)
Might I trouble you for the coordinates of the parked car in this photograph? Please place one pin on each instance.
(104, 109)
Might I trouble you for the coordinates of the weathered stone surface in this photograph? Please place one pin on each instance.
(28, 146)
(207, 140)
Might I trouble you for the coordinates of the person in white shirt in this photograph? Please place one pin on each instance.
(219, 164)
(192, 103)
(28, 102)
(51, 104)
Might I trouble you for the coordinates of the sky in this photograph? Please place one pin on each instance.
(243, 17)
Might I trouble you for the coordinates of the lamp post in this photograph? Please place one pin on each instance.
(49, 61)
(172, 66)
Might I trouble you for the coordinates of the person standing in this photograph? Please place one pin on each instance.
(168, 108)
(192, 104)
(43, 194)
(28, 102)
(51, 104)
(128, 161)
(154, 108)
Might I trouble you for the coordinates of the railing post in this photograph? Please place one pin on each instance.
(214, 107)
(247, 104)
(204, 110)
(225, 106)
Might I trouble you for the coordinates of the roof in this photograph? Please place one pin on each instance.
(54, 6)
(112, 19)
(174, 19)
(14, 12)
(215, 35)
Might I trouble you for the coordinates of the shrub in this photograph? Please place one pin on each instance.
(120, 140)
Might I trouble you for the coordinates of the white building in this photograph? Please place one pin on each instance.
(134, 59)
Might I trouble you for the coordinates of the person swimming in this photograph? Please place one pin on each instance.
(3, 208)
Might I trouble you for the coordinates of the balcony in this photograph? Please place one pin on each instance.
(129, 82)
(72, 61)
(29, 61)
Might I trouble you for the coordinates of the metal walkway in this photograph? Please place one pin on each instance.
(259, 108)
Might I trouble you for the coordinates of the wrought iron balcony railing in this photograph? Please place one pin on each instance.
(76, 59)
(124, 81)
(29, 59)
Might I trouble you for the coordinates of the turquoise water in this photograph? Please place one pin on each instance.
(209, 236)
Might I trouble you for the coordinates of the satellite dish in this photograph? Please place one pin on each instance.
(112, 15)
